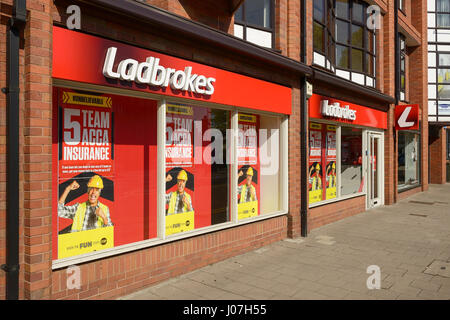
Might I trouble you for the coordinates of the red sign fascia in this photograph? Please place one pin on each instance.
(365, 116)
(80, 57)
(407, 117)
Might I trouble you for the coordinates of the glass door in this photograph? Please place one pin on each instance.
(375, 159)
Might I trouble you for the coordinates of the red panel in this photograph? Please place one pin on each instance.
(364, 116)
(80, 57)
(407, 117)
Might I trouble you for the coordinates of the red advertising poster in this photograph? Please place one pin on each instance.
(86, 135)
(107, 197)
(179, 135)
(315, 162)
(248, 139)
(248, 166)
(179, 201)
(331, 162)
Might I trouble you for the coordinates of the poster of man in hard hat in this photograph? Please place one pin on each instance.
(85, 173)
(87, 217)
(315, 163)
(247, 192)
(248, 166)
(331, 162)
(179, 208)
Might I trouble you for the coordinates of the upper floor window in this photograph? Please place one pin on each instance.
(401, 4)
(254, 22)
(443, 13)
(343, 43)
(402, 67)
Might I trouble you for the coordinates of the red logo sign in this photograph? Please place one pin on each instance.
(407, 117)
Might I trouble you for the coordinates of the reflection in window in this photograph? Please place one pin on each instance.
(253, 22)
(351, 161)
(408, 167)
(345, 37)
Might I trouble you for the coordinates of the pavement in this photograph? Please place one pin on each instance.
(408, 243)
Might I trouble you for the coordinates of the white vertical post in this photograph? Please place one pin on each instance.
(161, 169)
(284, 163)
(234, 165)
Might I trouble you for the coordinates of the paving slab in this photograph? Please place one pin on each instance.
(408, 241)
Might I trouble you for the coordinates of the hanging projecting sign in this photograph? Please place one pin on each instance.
(85, 58)
(407, 117)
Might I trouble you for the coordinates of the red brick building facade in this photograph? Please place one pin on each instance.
(202, 34)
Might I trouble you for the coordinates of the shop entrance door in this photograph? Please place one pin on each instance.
(375, 168)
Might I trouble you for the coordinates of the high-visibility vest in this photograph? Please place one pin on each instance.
(316, 183)
(78, 219)
(173, 201)
(244, 194)
(332, 181)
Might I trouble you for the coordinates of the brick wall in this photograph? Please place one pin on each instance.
(335, 211)
(119, 275)
(213, 13)
(438, 150)
(409, 193)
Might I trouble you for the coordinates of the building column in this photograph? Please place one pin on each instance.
(37, 148)
(437, 145)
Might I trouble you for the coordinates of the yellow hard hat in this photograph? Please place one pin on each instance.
(250, 171)
(95, 182)
(318, 166)
(182, 175)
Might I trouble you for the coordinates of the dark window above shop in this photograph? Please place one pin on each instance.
(254, 22)
(403, 67)
(343, 43)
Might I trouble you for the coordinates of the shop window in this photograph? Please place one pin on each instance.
(259, 187)
(343, 43)
(197, 171)
(254, 22)
(351, 161)
(107, 170)
(408, 159)
(105, 166)
(322, 162)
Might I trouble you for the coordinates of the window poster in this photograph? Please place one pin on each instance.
(248, 166)
(331, 162)
(179, 154)
(315, 162)
(102, 199)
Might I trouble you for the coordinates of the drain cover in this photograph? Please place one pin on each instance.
(438, 268)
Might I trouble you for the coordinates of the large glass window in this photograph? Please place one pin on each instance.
(324, 163)
(408, 159)
(344, 35)
(254, 20)
(109, 164)
(351, 161)
(197, 171)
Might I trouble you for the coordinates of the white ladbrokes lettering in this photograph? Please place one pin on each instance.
(152, 73)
